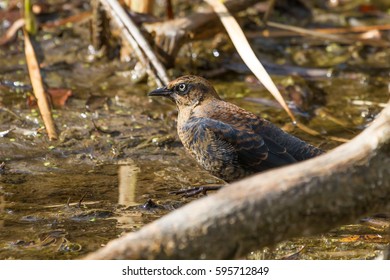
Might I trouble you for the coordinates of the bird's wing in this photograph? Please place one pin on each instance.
(251, 150)
(299, 149)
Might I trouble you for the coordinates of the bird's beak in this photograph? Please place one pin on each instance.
(163, 91)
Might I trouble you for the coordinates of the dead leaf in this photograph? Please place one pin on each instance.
(59, 96)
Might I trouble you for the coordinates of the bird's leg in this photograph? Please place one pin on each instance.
(196, 190)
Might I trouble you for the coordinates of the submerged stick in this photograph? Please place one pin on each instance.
(39, 91)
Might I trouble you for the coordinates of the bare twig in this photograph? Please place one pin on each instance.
(81, 199)
(326, 35)
(78, 18)
(271, 4)
(290, 30)
(11, 32)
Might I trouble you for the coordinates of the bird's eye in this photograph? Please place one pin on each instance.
(182, 87)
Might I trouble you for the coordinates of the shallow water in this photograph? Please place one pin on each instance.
(118, 150)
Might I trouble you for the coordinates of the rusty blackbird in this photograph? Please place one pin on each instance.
(226, 140)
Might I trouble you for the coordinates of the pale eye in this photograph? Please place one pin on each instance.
(182, 87)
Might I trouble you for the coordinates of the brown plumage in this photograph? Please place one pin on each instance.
(225, 139)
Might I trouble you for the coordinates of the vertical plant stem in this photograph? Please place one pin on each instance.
(39, 91)
(29, 17)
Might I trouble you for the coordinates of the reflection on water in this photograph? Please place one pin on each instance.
(127, 175)
(2, 206)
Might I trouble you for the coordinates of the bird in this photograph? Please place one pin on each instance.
(225, 139)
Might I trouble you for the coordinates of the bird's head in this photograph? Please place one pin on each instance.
(187, 91)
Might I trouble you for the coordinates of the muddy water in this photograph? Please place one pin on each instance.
(118, 155)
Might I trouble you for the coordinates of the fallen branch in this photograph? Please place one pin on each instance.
(307, 198)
